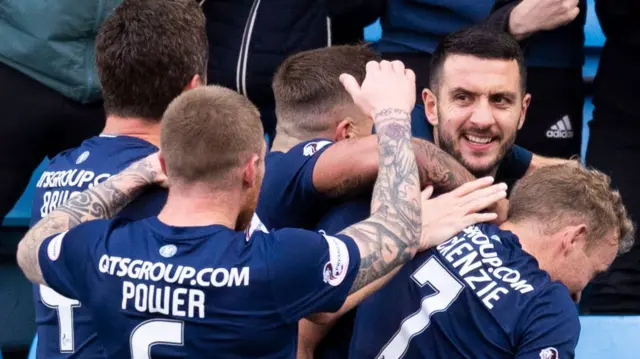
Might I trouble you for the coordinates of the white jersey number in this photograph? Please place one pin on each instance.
(447, 288)
(153, 332)
(64, 308)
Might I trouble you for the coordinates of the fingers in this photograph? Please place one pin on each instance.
(472, 186)
(398, 66)
(411, 76)
(476, 218)
(484, 198)
(426, 194)
(350, 84)
(385, 66)
(373, 66)
(573, 13)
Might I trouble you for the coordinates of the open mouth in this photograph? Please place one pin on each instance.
(478, 140)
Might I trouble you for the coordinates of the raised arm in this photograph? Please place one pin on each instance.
(526, 17)
(390, 237)
(99, 202)
(350, 167)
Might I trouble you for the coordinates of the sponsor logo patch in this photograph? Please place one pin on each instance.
(336, 268)
(55, 246)
(312, 147)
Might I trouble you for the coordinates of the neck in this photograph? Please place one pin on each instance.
(530, 238)
(194, 206)
(142, 128)
(284, 142)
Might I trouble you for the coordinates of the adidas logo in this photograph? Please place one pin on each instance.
(561, 129)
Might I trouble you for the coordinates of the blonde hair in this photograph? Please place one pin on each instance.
(560, 195)
(208, 131)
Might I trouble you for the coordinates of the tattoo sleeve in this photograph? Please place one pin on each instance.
(390, 236)
(438, 168)
(99, 202)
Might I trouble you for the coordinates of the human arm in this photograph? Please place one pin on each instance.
(350, 167)
(525, 17)
(99, 202)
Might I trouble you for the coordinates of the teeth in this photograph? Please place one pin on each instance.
(477, 139)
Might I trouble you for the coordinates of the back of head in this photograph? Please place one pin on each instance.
(308, 90)
(477, 41)
(147, 52)
(553, 197)
(208, 132)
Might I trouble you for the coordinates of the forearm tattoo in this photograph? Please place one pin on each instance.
(101, 201)
(438, 168)
(390, 236)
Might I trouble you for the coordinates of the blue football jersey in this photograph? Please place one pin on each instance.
(159, 291)
(335, 344)
(288, 197)
(478, 295)
(64, 325)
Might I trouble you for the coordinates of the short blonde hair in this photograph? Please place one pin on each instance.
(560, 195)
(208, 131)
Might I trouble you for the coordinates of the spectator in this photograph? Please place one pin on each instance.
(412, 29)
(613, 146)
(49, 89)
(249, 39)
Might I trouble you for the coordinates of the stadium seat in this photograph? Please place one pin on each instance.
(608, 337)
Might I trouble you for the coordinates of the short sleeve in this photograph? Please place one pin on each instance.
(310, 272)
(552, 326)
(514, 165)
(68, 258)
(288, 197)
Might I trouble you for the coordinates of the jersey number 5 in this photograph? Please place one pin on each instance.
(446, 287)
(153, 332)
(64, 308)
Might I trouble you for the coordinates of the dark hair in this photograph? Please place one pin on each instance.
(307, 85)
(207, 132)
(479, 41)
(147, 51)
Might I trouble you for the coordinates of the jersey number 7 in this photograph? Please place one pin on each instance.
(446, 287)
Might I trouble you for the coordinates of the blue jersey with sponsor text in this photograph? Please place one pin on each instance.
(288, 197)
(160, 291)
(478, 295)
(64, 325)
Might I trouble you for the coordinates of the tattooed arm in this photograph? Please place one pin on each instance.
(389, 237)
(101, 201)
(350, 167)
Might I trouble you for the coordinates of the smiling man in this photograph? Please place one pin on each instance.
(477, 100)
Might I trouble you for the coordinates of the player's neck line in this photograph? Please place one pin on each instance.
(142, 128)
(199, 207)
(283, 143)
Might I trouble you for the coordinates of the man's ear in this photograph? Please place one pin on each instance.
(345, 130)
(573, 238)
(194, 82)
(251, 171)
(163, 165)
(430, 106)
(525, 105)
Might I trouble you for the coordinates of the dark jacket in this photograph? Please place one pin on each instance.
(616, 83)
(250, 38)
(418, 26)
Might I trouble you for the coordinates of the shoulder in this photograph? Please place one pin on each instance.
(552, 307)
